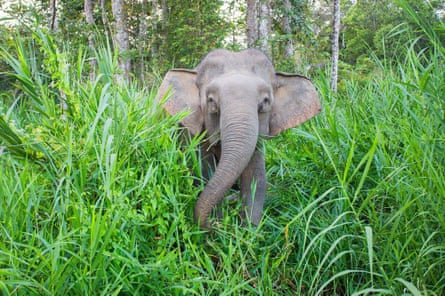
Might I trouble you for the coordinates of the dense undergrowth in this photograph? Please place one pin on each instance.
(97, 192)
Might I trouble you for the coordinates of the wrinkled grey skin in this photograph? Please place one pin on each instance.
(237, 97)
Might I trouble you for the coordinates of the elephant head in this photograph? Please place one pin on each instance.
(236, 97)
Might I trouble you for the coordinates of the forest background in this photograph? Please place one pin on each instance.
(154, 36)
(96, 192)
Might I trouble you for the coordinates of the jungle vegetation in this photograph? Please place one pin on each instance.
(97, 189)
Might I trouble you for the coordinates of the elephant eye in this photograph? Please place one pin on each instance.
(212, 106)
(264, 105)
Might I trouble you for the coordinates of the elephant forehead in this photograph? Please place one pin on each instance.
(220, 62)
(238, 82)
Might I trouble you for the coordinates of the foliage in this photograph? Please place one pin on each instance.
(5, 82)
(171, 33)
(384, 28)
(179, 33)
(192, 30)
(97, 197)
(299, 19)
(95, 186)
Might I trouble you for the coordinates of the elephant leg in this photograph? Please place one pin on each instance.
(254, 177)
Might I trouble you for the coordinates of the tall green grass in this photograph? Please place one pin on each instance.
(92, 196)
(377, 157)
(97, 198)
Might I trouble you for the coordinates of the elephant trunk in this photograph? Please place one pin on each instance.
(239, 135)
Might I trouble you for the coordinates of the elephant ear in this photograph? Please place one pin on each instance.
(180, 84)
(296, 101)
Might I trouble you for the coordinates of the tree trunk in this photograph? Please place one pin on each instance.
(264, 26)
(121, 38)
(252, 16)
(164, 11)
(53, 20)
(335, 42)
(289, 46)
(258, 24)
(105, 20)
(143, 33)
(289, 49)
(164, 29)
(88, 7)
(154, 29)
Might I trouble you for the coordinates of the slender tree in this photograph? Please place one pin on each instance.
(335, 45)
(264, 26)
(88, 7)
(53, 18)
(289, 46)
(154, 29)
(105, 21)
(164, 25)
(259, 24)
(252, 28)
(121, 38)
(143, 35)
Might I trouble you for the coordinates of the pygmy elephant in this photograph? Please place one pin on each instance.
(237, 97)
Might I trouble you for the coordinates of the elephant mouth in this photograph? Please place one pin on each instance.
(214, 140)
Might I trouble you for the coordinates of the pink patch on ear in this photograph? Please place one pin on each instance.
(296, 101)
(180, 84)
